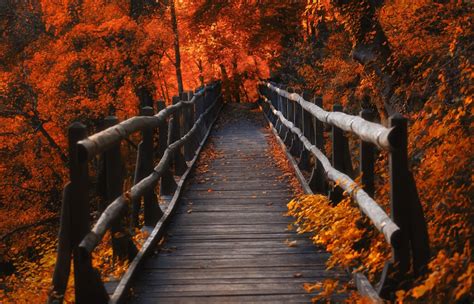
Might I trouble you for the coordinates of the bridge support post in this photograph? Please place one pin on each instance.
(341, 157)
(143, 168)
(283, 130)
(367, 158)
(306, 129)
(188, 119)
(194, 141)
(297, 118)
(162, 129)
(179, 162)
(406, 212)
(122, 244)
(318, 180)
(88, 285)
(395, 270)
(167, 183)
(202, 108)
(288, 139)
(277, 104)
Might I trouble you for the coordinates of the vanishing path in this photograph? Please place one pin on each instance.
(228, 241)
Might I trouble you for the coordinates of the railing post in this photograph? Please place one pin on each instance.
(318, 127)
(162, 132)
(395, 270)
(399, 194)
(306, 129)
(62, 268)
(278, 107)
(167, 182)
(188, 119)
(341, 156)
(144, 167)
(406, 209)
(122, 245)
(200, 108)
(179, 163)
(337, 137)
(296, 147)
(367, 158)
(196, 140)
(274, 98)
(203, 106)
(88, 285)
(317, 181)
(283, 131)
(288, 140)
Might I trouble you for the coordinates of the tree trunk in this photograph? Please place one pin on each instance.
(225, 82)
(371, 48)
(38, 126)
(177, 63)
(201, 72)
(235, 81)
(145, 97)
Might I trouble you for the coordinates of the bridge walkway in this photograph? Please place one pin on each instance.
(229, 239)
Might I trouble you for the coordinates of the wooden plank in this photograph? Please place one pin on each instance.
(229, 229)
(235, 186)
(275, 298)
(194, 254)
(310, 271)
(197, 289)
(218, 219)
(232, 208)
(124, 285)
(239, 194)
(365, 288)
(231, 243)
(217, 281)
(249, 236)
(292, 260)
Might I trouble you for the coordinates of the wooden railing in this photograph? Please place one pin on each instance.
(182, 129)
(301, 125)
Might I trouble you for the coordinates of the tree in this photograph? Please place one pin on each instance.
(177, 54)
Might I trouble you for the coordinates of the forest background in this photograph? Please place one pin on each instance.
(68, 60)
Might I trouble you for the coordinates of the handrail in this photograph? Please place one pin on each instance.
(182, 129)
(368, 131)
(299, 125)
(101, 141)
(114, 210)
(368, 206)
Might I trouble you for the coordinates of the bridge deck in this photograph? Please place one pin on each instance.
(228, 241)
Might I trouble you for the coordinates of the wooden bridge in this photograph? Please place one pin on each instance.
(218, 232)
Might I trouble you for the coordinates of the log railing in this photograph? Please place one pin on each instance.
(175, 136)
(299, 121)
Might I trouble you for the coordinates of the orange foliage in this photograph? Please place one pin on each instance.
(70, 60)
(430, 44)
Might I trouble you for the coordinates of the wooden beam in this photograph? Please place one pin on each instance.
(367, 205)
(368, 131)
